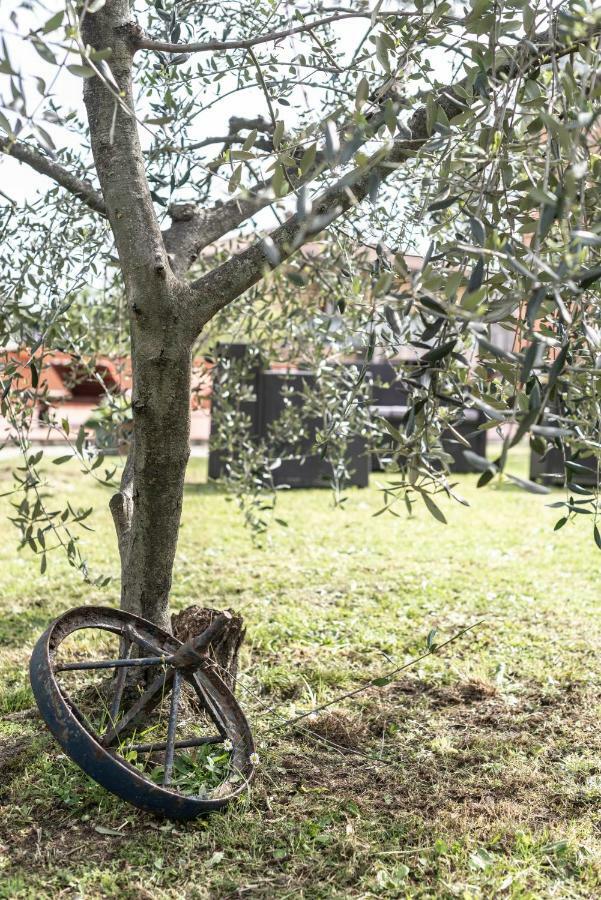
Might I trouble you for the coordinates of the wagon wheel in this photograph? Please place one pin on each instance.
(164, 733)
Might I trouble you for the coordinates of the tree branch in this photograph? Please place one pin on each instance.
(79, 187)
(226, 139)
(263, 86)
(218, 288)
(240, 123)
(192, 229)
(145, 43)
(224, 284)
(197, 229)
(118, 157)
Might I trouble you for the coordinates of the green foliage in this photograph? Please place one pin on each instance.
(196, 772)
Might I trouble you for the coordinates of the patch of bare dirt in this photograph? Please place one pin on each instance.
(464, 756)
(342, 730)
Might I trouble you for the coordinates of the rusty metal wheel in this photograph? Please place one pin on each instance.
(162, 731)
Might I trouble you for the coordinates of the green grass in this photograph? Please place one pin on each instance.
(482, 773)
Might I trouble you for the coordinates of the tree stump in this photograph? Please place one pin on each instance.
(224, 652)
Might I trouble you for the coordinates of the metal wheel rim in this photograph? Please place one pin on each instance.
(106, 767)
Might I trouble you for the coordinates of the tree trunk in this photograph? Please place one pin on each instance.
(147, 510)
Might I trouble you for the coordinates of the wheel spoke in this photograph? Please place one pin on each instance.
(132, 635)
(208, 705)
(178, 745)
(81, 717)
(120, 682)
(113, 663)
(146, 703)
(170, 748)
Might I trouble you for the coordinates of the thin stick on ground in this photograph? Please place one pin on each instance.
(374, 682)
(381, 679)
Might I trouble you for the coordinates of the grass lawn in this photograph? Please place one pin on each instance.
(482, 768)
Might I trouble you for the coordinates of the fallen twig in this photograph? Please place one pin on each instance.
(381, 680)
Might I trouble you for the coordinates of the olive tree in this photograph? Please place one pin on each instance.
(353, 133)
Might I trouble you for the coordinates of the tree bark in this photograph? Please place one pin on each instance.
(147, 510)
(161, 414)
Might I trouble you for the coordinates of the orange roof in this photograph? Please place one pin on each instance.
(63, 376)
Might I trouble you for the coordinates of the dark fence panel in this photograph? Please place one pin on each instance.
(301, 465)
(549, 469)
(234, 352)
(389, 400)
